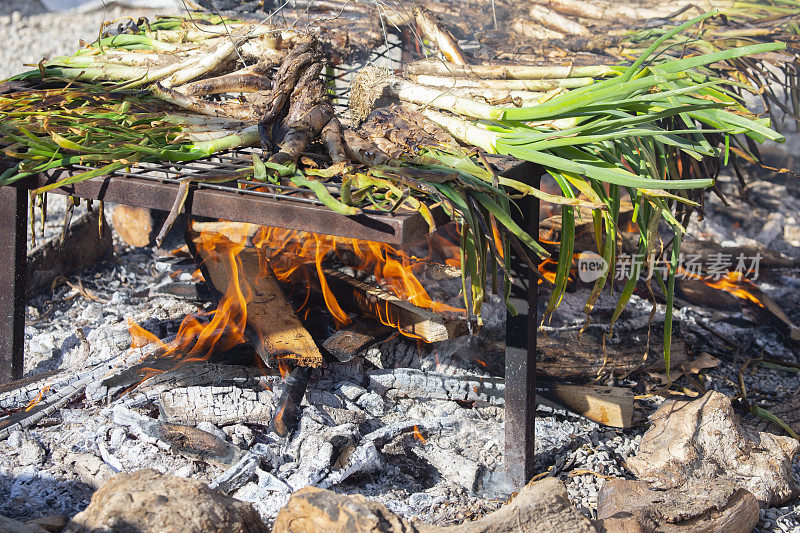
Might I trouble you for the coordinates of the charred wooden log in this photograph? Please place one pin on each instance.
(272, 324)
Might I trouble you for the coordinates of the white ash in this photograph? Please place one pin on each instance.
(52, 469)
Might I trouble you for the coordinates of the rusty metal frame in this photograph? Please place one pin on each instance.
(521, 351)
(13, 263)
(276, 209)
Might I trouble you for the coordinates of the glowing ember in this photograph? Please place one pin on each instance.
(38, 398)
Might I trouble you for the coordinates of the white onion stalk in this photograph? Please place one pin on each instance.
(509, 85)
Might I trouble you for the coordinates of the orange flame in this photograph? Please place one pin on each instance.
(292, 254)
(198, 339)
(417, 435)
(287, 250)
(548, 270)
(733, 282)
(38, 398)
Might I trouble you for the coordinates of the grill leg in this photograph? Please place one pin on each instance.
(520, 371)
(13, 262)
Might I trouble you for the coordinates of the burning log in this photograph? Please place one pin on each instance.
(272, 324)
(347, 290)
(732, 292)
(357, 337)
(389, 309)
(218, 405)
(287, 413)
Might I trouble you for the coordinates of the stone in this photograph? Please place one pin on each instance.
(705, 439)
(146, 501)
(699, 506)
(9, 525)
(89, 468)
(51, 524)
(542, 506)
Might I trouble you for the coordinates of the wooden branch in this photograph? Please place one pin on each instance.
(387, 307)
(610, 406)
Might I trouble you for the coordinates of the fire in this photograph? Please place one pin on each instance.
(296, 257)
(288, 250)
(733, 282)
(417, 435)
(38, 398)
(548, 270)
(199, 336)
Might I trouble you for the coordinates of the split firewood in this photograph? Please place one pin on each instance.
(387, 307)
(275, 330)
(87, 240)
(610, 406)
(541, 506)
(709, 505)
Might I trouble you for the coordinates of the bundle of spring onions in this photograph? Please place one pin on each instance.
(655, 130)
(624, 32)
(86, 125)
